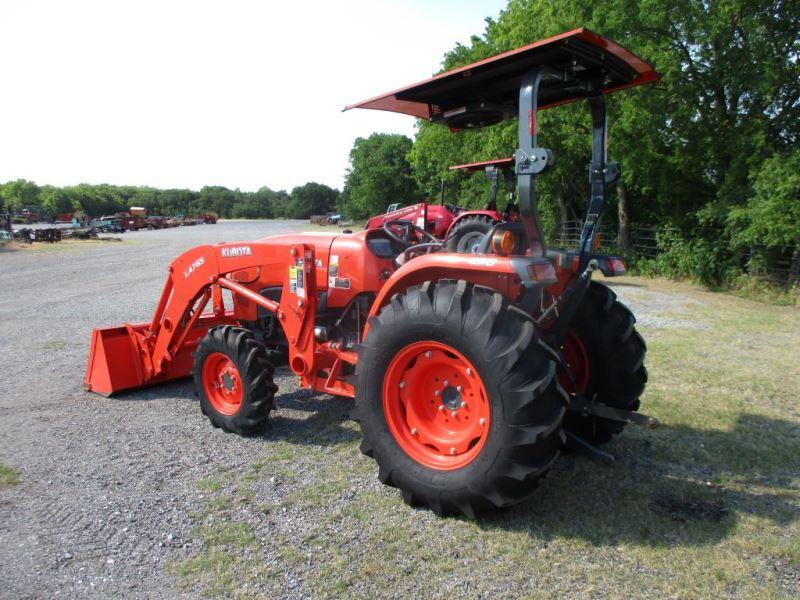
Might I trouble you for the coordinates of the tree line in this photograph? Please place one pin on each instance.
(104, 199)
(711, 149)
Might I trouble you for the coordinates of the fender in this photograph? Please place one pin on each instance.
(507, 275)
(492, 214)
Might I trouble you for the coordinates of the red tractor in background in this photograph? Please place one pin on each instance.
(470, 372)
(470, 226)
(459, 228)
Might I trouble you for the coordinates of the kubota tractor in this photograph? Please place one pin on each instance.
(470, 372)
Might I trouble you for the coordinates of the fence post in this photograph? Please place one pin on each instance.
(624, 234)
(794, 268)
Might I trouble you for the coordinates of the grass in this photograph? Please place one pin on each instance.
(8, 476)
(209, 485)
(706, 506)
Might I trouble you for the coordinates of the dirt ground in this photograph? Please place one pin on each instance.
(139, 496)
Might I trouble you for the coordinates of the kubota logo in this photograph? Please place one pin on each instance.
(198, 263)
(233, 251)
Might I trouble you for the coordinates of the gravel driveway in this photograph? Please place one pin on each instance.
(108, 487)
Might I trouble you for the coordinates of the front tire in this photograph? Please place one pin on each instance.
(233, 380)
(499, 430)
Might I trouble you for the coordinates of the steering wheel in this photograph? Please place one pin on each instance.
(405, 239)
(413, 251)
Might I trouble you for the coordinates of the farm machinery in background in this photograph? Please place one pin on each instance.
(470, 371)
(137, 218)
(459, 228)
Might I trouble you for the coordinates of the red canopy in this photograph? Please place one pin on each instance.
(584, 55)
(480, 166)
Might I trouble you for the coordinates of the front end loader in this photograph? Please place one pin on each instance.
(470, 372)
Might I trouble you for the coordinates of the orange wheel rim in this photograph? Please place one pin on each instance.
(222, 384)
(436, 405)
(576, 358)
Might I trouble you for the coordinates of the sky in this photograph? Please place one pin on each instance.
(242, 94)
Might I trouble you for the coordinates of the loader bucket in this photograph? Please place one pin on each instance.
(116, 362)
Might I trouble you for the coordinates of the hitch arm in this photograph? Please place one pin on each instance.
(580, 404)
(588, 408)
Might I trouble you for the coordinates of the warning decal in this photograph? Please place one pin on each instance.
(333, 270)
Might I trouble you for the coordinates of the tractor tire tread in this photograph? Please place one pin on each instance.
(469, 224)
(256, 372)
(503, 345)
(617, 354)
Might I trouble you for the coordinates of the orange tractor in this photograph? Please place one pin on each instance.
(470, 372)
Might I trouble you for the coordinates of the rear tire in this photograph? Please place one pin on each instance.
(467, 232)
(615, 374)
(233, 380)
(507, 379)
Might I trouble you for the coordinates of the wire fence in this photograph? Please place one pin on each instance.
(778, 266)
(645, 241)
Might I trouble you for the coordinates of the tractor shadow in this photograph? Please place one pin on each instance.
(308, 418)
(676, 486)
(662, 491)
(301, 416)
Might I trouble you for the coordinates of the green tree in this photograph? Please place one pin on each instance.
(54, 201)
(256, 205)
(771, 216)
(20, 194)
(729, 98)
(216, 199)
(311, 199)
(379, 174)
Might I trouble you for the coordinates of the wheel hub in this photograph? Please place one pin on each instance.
(469, 242)
(436, 405)
(222, 383)
(451, 398)
(576, 358)
(229, 380)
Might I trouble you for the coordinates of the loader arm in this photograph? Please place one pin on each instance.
(135, 355)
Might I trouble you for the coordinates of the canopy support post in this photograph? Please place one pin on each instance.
(531, 160)
(601, 174)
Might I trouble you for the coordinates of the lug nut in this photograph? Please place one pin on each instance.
(469, 371)
(482, 421)
(446, 383)
(402, 384)
(452, 450)
(441, 407)
(413, 431)
(436, 392)
(428, 354)
(463, 405)
(453, 413)
(458, 388)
